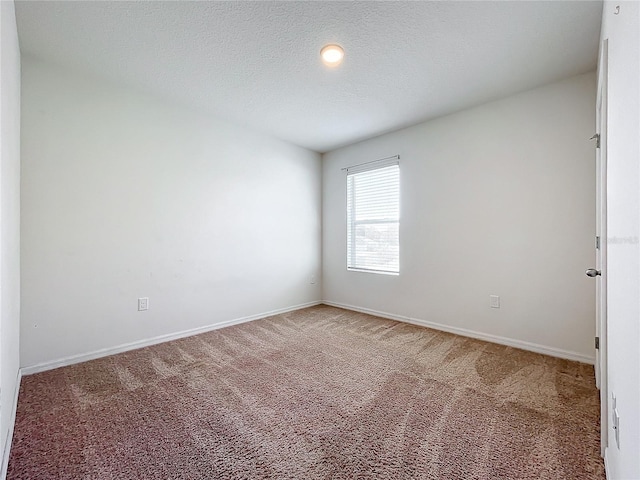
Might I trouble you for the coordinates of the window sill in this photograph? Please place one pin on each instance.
(379, 272)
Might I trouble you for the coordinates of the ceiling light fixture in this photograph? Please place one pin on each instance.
(332, 55)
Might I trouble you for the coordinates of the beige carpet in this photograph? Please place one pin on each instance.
(320, 393)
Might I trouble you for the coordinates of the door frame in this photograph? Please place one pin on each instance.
(601, 252)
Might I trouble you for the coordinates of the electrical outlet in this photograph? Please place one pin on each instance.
(313, 279)
(494, 301)
(143, 304)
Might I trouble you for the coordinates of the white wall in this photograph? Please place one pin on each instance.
(623, 230)
(498, 199)
(9, 216)
(124, 196)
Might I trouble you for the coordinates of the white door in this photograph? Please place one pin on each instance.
(600, 270)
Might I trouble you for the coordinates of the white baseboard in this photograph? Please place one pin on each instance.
(186, 333)
(510, 342)
(12, 423)
(105, 352)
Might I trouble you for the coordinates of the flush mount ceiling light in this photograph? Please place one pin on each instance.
(332, 55)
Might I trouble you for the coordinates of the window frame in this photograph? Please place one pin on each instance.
(352, 224)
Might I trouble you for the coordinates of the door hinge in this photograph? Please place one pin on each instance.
(597, 242)
(596, 136)
(597, 343)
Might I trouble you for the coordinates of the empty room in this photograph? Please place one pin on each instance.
(319, 240)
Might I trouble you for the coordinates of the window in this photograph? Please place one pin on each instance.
(373, 217)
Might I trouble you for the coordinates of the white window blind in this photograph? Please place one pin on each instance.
(373, 218)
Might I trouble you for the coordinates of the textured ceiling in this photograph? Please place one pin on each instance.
(257, 63)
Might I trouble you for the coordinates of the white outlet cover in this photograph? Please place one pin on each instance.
(143, 304)
(494, 301)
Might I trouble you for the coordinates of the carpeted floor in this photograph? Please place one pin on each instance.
(319, 393)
